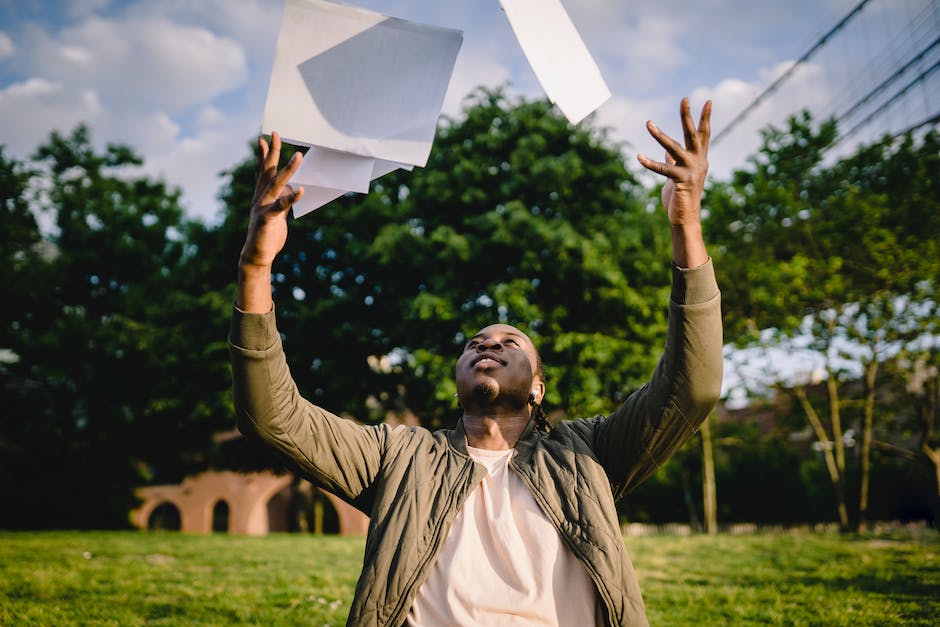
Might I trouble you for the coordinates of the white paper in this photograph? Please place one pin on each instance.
(339, 170)
(359, 82)
(314, 198)
(558, 56)
(381, 167)
(327, 174)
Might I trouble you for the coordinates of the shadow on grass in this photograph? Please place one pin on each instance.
(900, 587)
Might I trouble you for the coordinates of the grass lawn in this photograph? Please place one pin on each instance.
(128, 578)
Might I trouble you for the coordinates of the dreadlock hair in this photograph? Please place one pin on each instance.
(538, 414)
(541, 420)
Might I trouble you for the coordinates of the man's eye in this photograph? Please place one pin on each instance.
(511, 341)
(470, 345)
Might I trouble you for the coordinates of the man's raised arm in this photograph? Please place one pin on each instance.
(334, 453)
(267, 226)
(685, 168)
(657, 419)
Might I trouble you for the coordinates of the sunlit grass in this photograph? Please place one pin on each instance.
(790, 579)
(170, 579)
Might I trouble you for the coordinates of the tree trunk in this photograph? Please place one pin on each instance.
(934, 456)
(928, 418)
(835, 476)
(709, 493)
(318, 512)
(871, 374)
(835, 417)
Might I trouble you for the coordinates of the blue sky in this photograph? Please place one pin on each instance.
(184, 81)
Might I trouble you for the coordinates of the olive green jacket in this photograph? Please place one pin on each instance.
(412, 482)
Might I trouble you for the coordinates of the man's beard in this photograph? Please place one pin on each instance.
(486, 391)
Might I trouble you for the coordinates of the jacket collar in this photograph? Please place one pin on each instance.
(524, 447)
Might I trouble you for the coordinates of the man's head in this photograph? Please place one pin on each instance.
(499, 370)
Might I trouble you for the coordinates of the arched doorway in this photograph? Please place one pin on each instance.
(164, 517)
(300, 508)
(220, 516)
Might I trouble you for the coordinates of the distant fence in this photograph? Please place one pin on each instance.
(634, 530)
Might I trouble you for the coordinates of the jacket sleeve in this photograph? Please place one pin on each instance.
(332, 452)
(656, 420)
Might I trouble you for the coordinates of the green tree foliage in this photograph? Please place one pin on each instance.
(19, 255)
(760, 229)
(114, 369)
(915, 397)
(845, 254)
(113, 363)
(518, 217)
(796, 236)
(113, 359)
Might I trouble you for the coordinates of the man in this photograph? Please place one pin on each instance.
(501, 520)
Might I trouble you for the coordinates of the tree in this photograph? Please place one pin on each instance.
(375, 294)
(113, 378)
(20, 257)
(709, 489)
(915, 381)
(834, 253)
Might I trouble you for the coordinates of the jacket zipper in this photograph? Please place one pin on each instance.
(601, 589)
(451, 512)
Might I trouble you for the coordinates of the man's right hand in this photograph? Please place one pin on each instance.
(267, 226)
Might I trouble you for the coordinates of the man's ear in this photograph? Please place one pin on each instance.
(538, 390)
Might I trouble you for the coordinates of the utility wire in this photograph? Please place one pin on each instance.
(884, 84)
(888, 102)
(783, 77)
(929, 120)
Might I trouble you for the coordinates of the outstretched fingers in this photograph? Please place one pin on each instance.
(280, 180)
(272, 193)
(696, 137)
(660, 167)
(268, 157)
(672, 147)
(689, 132)
(705, 126)
(289, 196)
(696, 140)
(274, 154)
(279, 196)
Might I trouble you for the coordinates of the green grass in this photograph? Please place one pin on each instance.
(105, 578)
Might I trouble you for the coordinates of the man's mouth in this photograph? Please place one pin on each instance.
(487, 359)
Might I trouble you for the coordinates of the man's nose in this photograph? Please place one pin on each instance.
(489, 345)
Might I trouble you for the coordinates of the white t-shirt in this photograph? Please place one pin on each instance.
(504, 563)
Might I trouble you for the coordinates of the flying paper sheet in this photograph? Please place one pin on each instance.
(558, 56)
(323, 167)
(363, 90)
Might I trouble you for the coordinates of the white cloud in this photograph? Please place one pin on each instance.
(195, 163)
(30, 110)
(147, 132)
(184, 82)
(210, 116)
(139, 62)
(806, 88)
(627, 116)
(252, 23)
(471, 72)
(636, 46)
(6, 46)
(626, 119)
(149, 81)
(83, 8)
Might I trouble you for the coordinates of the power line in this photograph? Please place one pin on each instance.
(783, 77)
(920, 77)
(933, 118)
(884, 84)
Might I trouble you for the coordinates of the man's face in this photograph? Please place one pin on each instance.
(498, 367)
